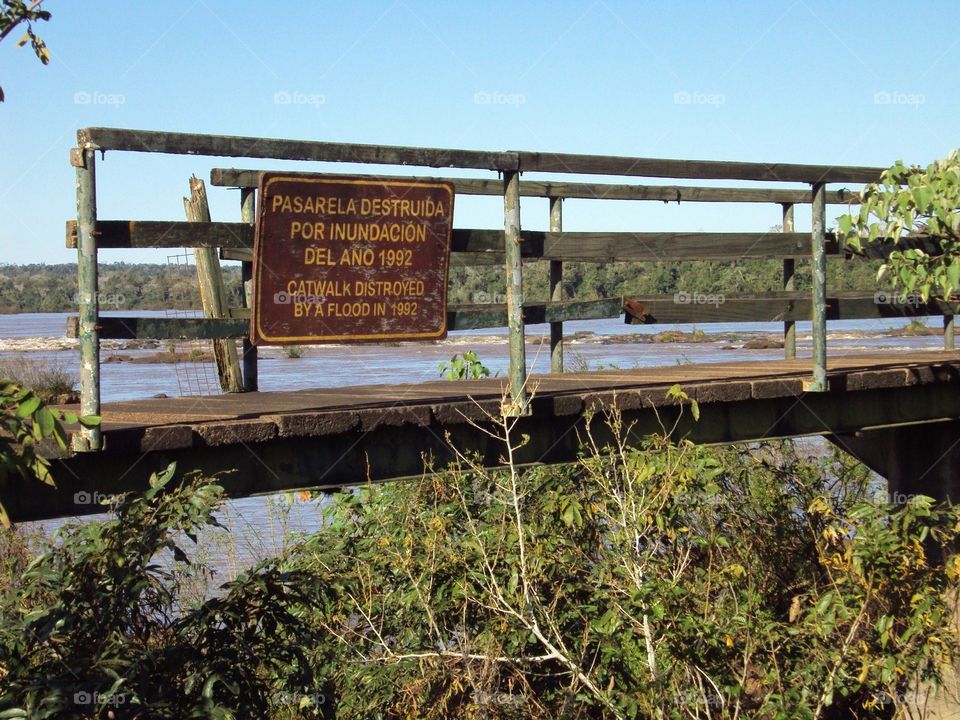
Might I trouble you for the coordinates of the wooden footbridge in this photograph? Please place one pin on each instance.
(898, 413)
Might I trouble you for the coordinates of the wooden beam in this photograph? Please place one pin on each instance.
(278, 149)
(462, 317)
(166, 234)
(700, 308)
(486, 246)
(129, 234)
(157, 328)
(231, 177)
(655, 246)
(693, 169)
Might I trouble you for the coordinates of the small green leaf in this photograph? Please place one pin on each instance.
(28, 406)
(46, 421)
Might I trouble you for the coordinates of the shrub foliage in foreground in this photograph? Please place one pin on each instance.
(95, 628)
(669, 582)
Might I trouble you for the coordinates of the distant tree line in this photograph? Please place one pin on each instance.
(145, 286)
(123, 286)
(587, 281)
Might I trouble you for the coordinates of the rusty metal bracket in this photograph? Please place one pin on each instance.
(76, 158)
(635, 309)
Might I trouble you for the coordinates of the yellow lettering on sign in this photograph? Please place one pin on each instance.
(313, 255)
(307, 230)
(355, 256)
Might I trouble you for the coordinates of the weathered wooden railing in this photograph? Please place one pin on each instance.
(511, 245)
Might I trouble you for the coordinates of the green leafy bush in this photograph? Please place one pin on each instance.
(911, 200)
(26, 423)
(464, 366)
(96, 629)
(674, 581)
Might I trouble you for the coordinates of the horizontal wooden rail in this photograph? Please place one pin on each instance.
(482, 247)
(656, 247)
(463, 317)
(279, 149)
(680, 308)
(176, 143)
(237, 239)
(692, 307)
(693, 169)
(229, 177)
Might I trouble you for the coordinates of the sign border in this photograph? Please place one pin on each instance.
(266, 178)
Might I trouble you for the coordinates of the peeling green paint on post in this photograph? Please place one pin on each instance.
(556, 289)
(819, 309)
(248, 214)
(518, 404)
(789, 285)
(88, 438)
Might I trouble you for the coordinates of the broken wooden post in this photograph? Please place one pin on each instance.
(213, 292)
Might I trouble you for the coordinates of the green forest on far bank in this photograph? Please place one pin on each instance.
(143, 286)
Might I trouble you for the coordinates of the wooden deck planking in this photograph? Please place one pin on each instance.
(159, 412)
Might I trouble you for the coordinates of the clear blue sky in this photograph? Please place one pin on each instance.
(861, 83)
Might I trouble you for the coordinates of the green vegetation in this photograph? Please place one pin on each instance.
(912, 200)
(14, 13)
(465, 366)
(595, 280)
(665, 581)
(294, 352)
(97, 627)
(49, 381)
(26, 423)
(124, 286)
(669, 581)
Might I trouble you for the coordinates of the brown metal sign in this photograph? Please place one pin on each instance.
(350, 259)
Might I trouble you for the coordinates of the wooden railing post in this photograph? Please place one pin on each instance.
(84, 159)
(213, 293)
(518, 404)
(819, 301)
(248, 214)
(789, 285)
(556, 289)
